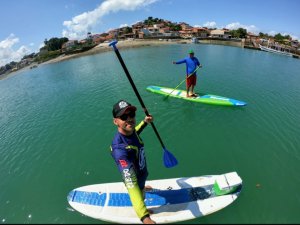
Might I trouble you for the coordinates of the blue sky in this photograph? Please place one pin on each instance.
(25, 24)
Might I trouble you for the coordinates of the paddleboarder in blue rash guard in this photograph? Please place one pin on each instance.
(191, 77)
(127, 149)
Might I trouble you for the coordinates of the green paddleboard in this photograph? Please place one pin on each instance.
(206, 98)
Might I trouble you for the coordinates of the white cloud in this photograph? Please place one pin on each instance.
(78, 27)
(295, 37)
(249, 28)
(8, 54)
(123, 25)
(272, 33)
(136, 22)
(109, 29)
(210, 25)
(41, 45)
(233, 26)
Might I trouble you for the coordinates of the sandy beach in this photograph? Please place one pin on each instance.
(103, 47)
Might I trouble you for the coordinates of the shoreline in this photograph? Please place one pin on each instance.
(103, 47)
(125, 44)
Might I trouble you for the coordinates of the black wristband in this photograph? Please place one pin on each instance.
(144, 217)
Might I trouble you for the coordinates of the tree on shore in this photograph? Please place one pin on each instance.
(281, 39)
(55, 43)
(174, 27)
(239, 33)
(127, 30)
(264, 36)
(151, 21)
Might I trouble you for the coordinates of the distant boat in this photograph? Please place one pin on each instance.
(268, 49)
(194, 40)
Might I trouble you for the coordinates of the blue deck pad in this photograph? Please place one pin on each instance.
(153, 198)
(179, 93)
(88, 198)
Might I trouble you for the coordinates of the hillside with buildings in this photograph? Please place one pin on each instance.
(154, 28)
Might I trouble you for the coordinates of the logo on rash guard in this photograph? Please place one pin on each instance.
(127, 178)
(123, 163)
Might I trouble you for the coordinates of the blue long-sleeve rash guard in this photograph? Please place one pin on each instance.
(128, 153)
(191, 64)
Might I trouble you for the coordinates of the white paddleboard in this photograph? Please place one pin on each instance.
(171, 200)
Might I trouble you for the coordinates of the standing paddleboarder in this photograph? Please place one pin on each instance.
(192, 63)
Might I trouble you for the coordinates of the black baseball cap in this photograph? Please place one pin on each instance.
(121, 107)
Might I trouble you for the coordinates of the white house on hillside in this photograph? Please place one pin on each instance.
(220, 33)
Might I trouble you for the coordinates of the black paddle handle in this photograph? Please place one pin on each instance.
(135, 89)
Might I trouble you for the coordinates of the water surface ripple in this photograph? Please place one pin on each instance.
(56, 128)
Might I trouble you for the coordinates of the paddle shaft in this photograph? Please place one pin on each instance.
(183, 81)
(136, 92)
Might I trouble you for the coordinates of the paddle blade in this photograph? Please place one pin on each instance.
(169, 159)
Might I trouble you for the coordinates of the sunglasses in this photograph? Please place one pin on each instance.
(124, 117)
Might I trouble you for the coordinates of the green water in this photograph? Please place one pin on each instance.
(56, 128)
